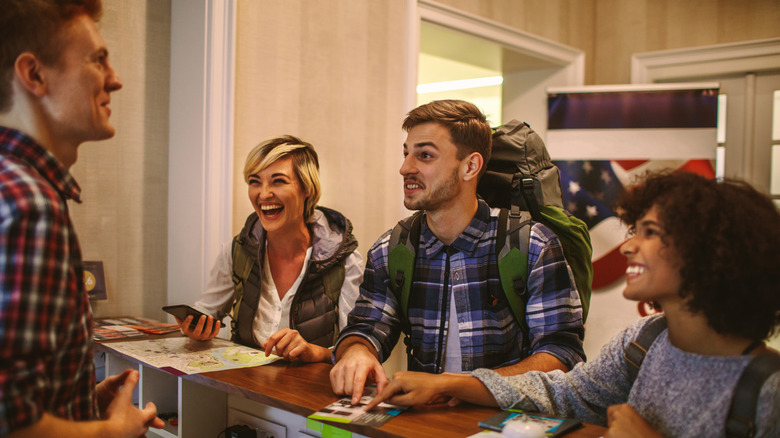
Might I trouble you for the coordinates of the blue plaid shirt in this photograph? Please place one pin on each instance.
(489, 335)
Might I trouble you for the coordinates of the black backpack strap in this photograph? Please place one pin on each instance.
(401, 255)
(513, 234)
(635, 352)
(525, 187)
(741, 421)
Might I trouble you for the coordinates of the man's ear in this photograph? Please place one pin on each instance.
(27, 70)
(472, 165)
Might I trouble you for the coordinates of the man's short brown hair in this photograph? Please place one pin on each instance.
(468, 127)
(33, 26)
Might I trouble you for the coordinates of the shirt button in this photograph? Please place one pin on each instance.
(457, 276)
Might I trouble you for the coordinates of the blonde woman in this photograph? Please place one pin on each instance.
(295, 251)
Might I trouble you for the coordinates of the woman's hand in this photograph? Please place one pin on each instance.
(625, 422)
(291, 345)
(410, 388)
(206, 329)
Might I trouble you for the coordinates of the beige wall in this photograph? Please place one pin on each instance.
(123, 218)
(610, 31)
(331, 73)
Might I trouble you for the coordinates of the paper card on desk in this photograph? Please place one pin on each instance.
(181, 355)
(152, 327)
(109, 332)
(342, 411)
(106, 329)
(556, 426)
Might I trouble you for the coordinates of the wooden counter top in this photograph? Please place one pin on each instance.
(305, 388)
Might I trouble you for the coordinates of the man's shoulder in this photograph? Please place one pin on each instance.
(25, 196)
(381, 245)
(23, 187)
(542, 233)
(378, 253)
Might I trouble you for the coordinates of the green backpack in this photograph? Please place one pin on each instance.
(522, 181)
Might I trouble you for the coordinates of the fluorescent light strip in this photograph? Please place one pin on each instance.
(435, 87)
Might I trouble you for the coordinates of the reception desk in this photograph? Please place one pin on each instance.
(276, 398)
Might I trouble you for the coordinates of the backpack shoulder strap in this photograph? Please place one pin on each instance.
(512, 239)
(242, 267)
(525, 185)
(741, 421)
(401, 252)
(634, 353)
(332, 281)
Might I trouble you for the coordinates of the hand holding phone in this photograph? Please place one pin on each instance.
(182, 311)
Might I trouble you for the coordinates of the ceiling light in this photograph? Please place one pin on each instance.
(462, 84)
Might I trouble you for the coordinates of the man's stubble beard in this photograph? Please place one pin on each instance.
(447, 191)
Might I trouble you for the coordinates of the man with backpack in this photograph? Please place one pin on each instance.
(455, 314)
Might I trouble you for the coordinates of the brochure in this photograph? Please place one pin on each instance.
(181, 355)
(555, 426)
(343, 411)
(129, 327)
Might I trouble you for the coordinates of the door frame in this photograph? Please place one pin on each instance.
(200, 150)
(570, 60)
(720, 59)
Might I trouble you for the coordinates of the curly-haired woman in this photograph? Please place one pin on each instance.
(708, 254)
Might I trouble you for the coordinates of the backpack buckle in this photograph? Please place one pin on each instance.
(520, 287)
(399, 279)
(528, 186)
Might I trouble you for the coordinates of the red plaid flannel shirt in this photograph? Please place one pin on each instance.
(46, 356)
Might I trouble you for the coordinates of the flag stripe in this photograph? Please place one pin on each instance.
(631, 144)
(607, 235)
(608, 269)
(602, 140)
(696, 108)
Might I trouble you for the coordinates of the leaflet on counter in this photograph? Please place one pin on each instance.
(343, 411)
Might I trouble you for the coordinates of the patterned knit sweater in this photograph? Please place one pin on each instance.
(679, 394)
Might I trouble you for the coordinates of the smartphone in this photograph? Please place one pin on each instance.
(181, 311)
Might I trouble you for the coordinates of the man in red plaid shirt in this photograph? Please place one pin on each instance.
(55, 83)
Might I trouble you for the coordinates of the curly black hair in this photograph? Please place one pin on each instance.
(728, 237)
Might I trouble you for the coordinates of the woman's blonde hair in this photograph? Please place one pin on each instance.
(305, 164)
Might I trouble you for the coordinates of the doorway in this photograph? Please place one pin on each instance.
(448, 46)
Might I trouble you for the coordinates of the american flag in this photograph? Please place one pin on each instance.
(590, 189)
(602, 140)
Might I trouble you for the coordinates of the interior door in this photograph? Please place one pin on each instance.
(749, 110)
